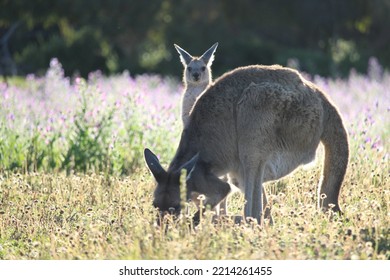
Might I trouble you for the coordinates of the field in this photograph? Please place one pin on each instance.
(73, 183)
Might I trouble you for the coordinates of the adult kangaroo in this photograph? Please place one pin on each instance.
(257, 123)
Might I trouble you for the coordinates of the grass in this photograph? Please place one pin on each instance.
(46, 216)
(73, 184)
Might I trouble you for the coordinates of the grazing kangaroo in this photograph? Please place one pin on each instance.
(196, 77)
(258, 123)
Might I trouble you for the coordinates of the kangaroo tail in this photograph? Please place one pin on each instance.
(335, 140)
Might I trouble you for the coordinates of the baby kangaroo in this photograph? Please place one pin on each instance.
(258, 123)
(196, 77)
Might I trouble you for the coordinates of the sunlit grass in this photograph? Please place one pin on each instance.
(73, 183)
(103, 217)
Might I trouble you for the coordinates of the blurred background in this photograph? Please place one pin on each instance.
(324, 37)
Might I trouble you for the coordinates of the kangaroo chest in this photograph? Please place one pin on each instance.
(189, 98)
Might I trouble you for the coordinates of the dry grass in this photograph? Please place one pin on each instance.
(93, 216)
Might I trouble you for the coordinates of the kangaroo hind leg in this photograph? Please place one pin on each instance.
(253, 190)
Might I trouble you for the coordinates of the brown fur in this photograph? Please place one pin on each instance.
(259, 123)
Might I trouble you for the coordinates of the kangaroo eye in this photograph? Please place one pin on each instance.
(189, 69)
(203, 68)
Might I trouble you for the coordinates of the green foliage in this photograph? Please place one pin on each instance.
(12, 149)
(50, 125)
(89, 143)
(130, 152)
(31, 153)
(81, 51)
(327, 37)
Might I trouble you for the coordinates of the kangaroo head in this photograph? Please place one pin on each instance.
(167, 193)
(197, 70)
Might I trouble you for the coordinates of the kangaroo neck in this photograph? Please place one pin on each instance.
(191, 86)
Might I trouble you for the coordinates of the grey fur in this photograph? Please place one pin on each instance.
(258, 123)
(196, 77)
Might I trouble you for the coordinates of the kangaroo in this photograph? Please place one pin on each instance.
(258, 123)
(196, 77)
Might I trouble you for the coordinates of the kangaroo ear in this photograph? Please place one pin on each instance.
(189, 165)
(185, 57)
(208, 56)
(154, 165)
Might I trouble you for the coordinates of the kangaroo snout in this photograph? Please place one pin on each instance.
(196, 76)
